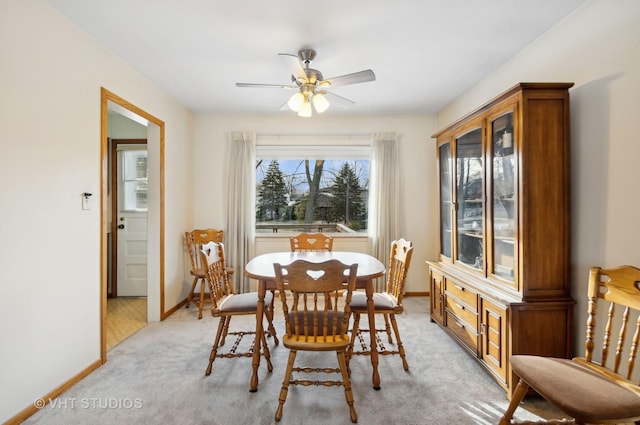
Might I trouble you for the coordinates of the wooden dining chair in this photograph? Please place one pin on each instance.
(311, 242)
(386, 304)
(195, 239)
(602, 387)
(301, 243)
(226, 304)
(310, 295)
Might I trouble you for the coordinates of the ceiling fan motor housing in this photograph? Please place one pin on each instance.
(314, 76)
(306, 56)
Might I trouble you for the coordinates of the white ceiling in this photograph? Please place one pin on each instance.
(424, 53)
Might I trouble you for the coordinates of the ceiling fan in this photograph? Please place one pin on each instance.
(310, 85)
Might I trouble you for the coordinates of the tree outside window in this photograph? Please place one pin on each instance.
(272, 200)
(308, 191)
(346, 202)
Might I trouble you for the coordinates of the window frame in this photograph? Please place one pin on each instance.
(315, 147)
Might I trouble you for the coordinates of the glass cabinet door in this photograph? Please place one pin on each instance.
(503, 189)
(444, 161)
(470, 194)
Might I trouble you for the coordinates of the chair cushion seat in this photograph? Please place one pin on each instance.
(381, 301)
(247, 302)
(577, 390)
(200, 273)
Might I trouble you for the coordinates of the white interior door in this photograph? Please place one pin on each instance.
(132, 221)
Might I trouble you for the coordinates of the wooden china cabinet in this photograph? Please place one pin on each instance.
(502, 283)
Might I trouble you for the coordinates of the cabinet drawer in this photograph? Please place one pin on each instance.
(467, 334)
(464, 294)
(464, 312)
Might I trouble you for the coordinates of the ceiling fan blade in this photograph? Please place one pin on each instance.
(355, 78)
(293, 63)
(337, 100)
(253, 85)
(285, 106)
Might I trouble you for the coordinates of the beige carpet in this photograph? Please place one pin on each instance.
(157, 376)
(125, 316)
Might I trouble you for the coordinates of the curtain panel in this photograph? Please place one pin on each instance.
(383, 205)
(239, 200)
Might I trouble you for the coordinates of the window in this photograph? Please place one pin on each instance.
(303, 185)
(134, 180)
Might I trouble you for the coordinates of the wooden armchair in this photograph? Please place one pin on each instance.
(311, 242)
(601, 387)
(310, 295)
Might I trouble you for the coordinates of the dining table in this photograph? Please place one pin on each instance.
(261, 268)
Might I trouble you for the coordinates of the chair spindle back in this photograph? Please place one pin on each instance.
(399, 262)
(195, 239)
(212, 254)
(618, 291)
(314, 310)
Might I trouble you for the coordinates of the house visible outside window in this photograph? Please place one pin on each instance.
(134, 180)
(304, 185)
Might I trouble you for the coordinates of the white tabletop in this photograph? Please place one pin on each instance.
(261, 267)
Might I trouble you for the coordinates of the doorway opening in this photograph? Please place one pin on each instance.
(127, 239)
(132, 217)
(129, 206)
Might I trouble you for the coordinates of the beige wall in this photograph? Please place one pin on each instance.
(416, 152)
(50, 81)
(595, 47)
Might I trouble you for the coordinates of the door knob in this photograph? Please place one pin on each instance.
(120, 226)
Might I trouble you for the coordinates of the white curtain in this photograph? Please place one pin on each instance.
(239, 200)
(383, 202)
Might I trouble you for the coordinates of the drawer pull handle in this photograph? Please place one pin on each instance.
(460, 325)
(461, 307)
(459, 288)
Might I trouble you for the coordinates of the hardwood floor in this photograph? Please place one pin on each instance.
(125, 316)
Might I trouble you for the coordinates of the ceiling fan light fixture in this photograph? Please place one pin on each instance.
(296, 101)
(310, 86)
(320, 102)
(305, 108)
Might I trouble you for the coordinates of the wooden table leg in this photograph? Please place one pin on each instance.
(255, 362)
(271, 331)
(372, 334)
